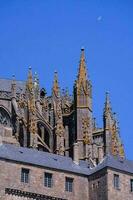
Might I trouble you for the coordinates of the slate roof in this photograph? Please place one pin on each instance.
(5, 85)
(115, 163)
(57, 162)
(40, 158)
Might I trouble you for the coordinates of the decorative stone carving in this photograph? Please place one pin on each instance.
(114, 139)
(85, 126)
(59, 129)
(22, 101)
(61, 150)
(58, 109)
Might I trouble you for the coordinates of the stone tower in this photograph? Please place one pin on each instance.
(83, 111)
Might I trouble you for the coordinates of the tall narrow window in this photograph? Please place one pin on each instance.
(116, 181)
(69, 184)
(25, 175)
(48, 181)
(131, 185)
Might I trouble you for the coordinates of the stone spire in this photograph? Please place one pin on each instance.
(56, 89)
(114, 137)
(36, 79)
(29, 84)
(36, 86)
(113, 144)
(119, 146)
(82, 87)
(107, 114)
(107, 108)
(13, 86)
(82, 66)
(82, 75)
(32, 110)
(59, 128)
(121, 150)
(108, 122)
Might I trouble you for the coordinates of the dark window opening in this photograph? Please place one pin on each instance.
(25, 175)
(116, 181)
(48, 180)
(69, 184)
(21, 135)
(49, 119)
(47, 138)
(131, 185)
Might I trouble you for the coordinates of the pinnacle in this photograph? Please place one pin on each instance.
(56, 84)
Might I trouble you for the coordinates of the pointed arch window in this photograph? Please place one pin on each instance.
(4, 117)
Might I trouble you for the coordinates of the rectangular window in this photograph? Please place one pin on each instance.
(116, 181)
(131, 185)
(69, 184)
(25, 175)
(48, 181)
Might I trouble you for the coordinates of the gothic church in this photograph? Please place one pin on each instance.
(51, 147)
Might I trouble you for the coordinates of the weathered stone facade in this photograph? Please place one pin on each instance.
(124, 191)
(58, 135)
(59, 123)
(89, 183)
(98, 185)
(36, 184)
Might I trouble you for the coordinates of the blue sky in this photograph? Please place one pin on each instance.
(48, 35)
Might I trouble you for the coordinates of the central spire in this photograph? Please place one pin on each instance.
(82, 82)
(82, 75)
(83, 89)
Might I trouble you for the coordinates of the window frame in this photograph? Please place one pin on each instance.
(25, 175)
(116, 181)
(48, 179)
(69, 182)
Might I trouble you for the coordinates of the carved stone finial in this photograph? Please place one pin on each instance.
(85, 126)
(13, 86)
(56, 90)
(114, 139)
(36, 80)
(36, 86)
(30, 80)
(121, 151)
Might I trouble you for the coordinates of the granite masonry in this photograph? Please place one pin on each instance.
(51, 147)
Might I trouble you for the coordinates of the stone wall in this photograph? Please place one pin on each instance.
(98, 185)
(124, 191)
(10, 177)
